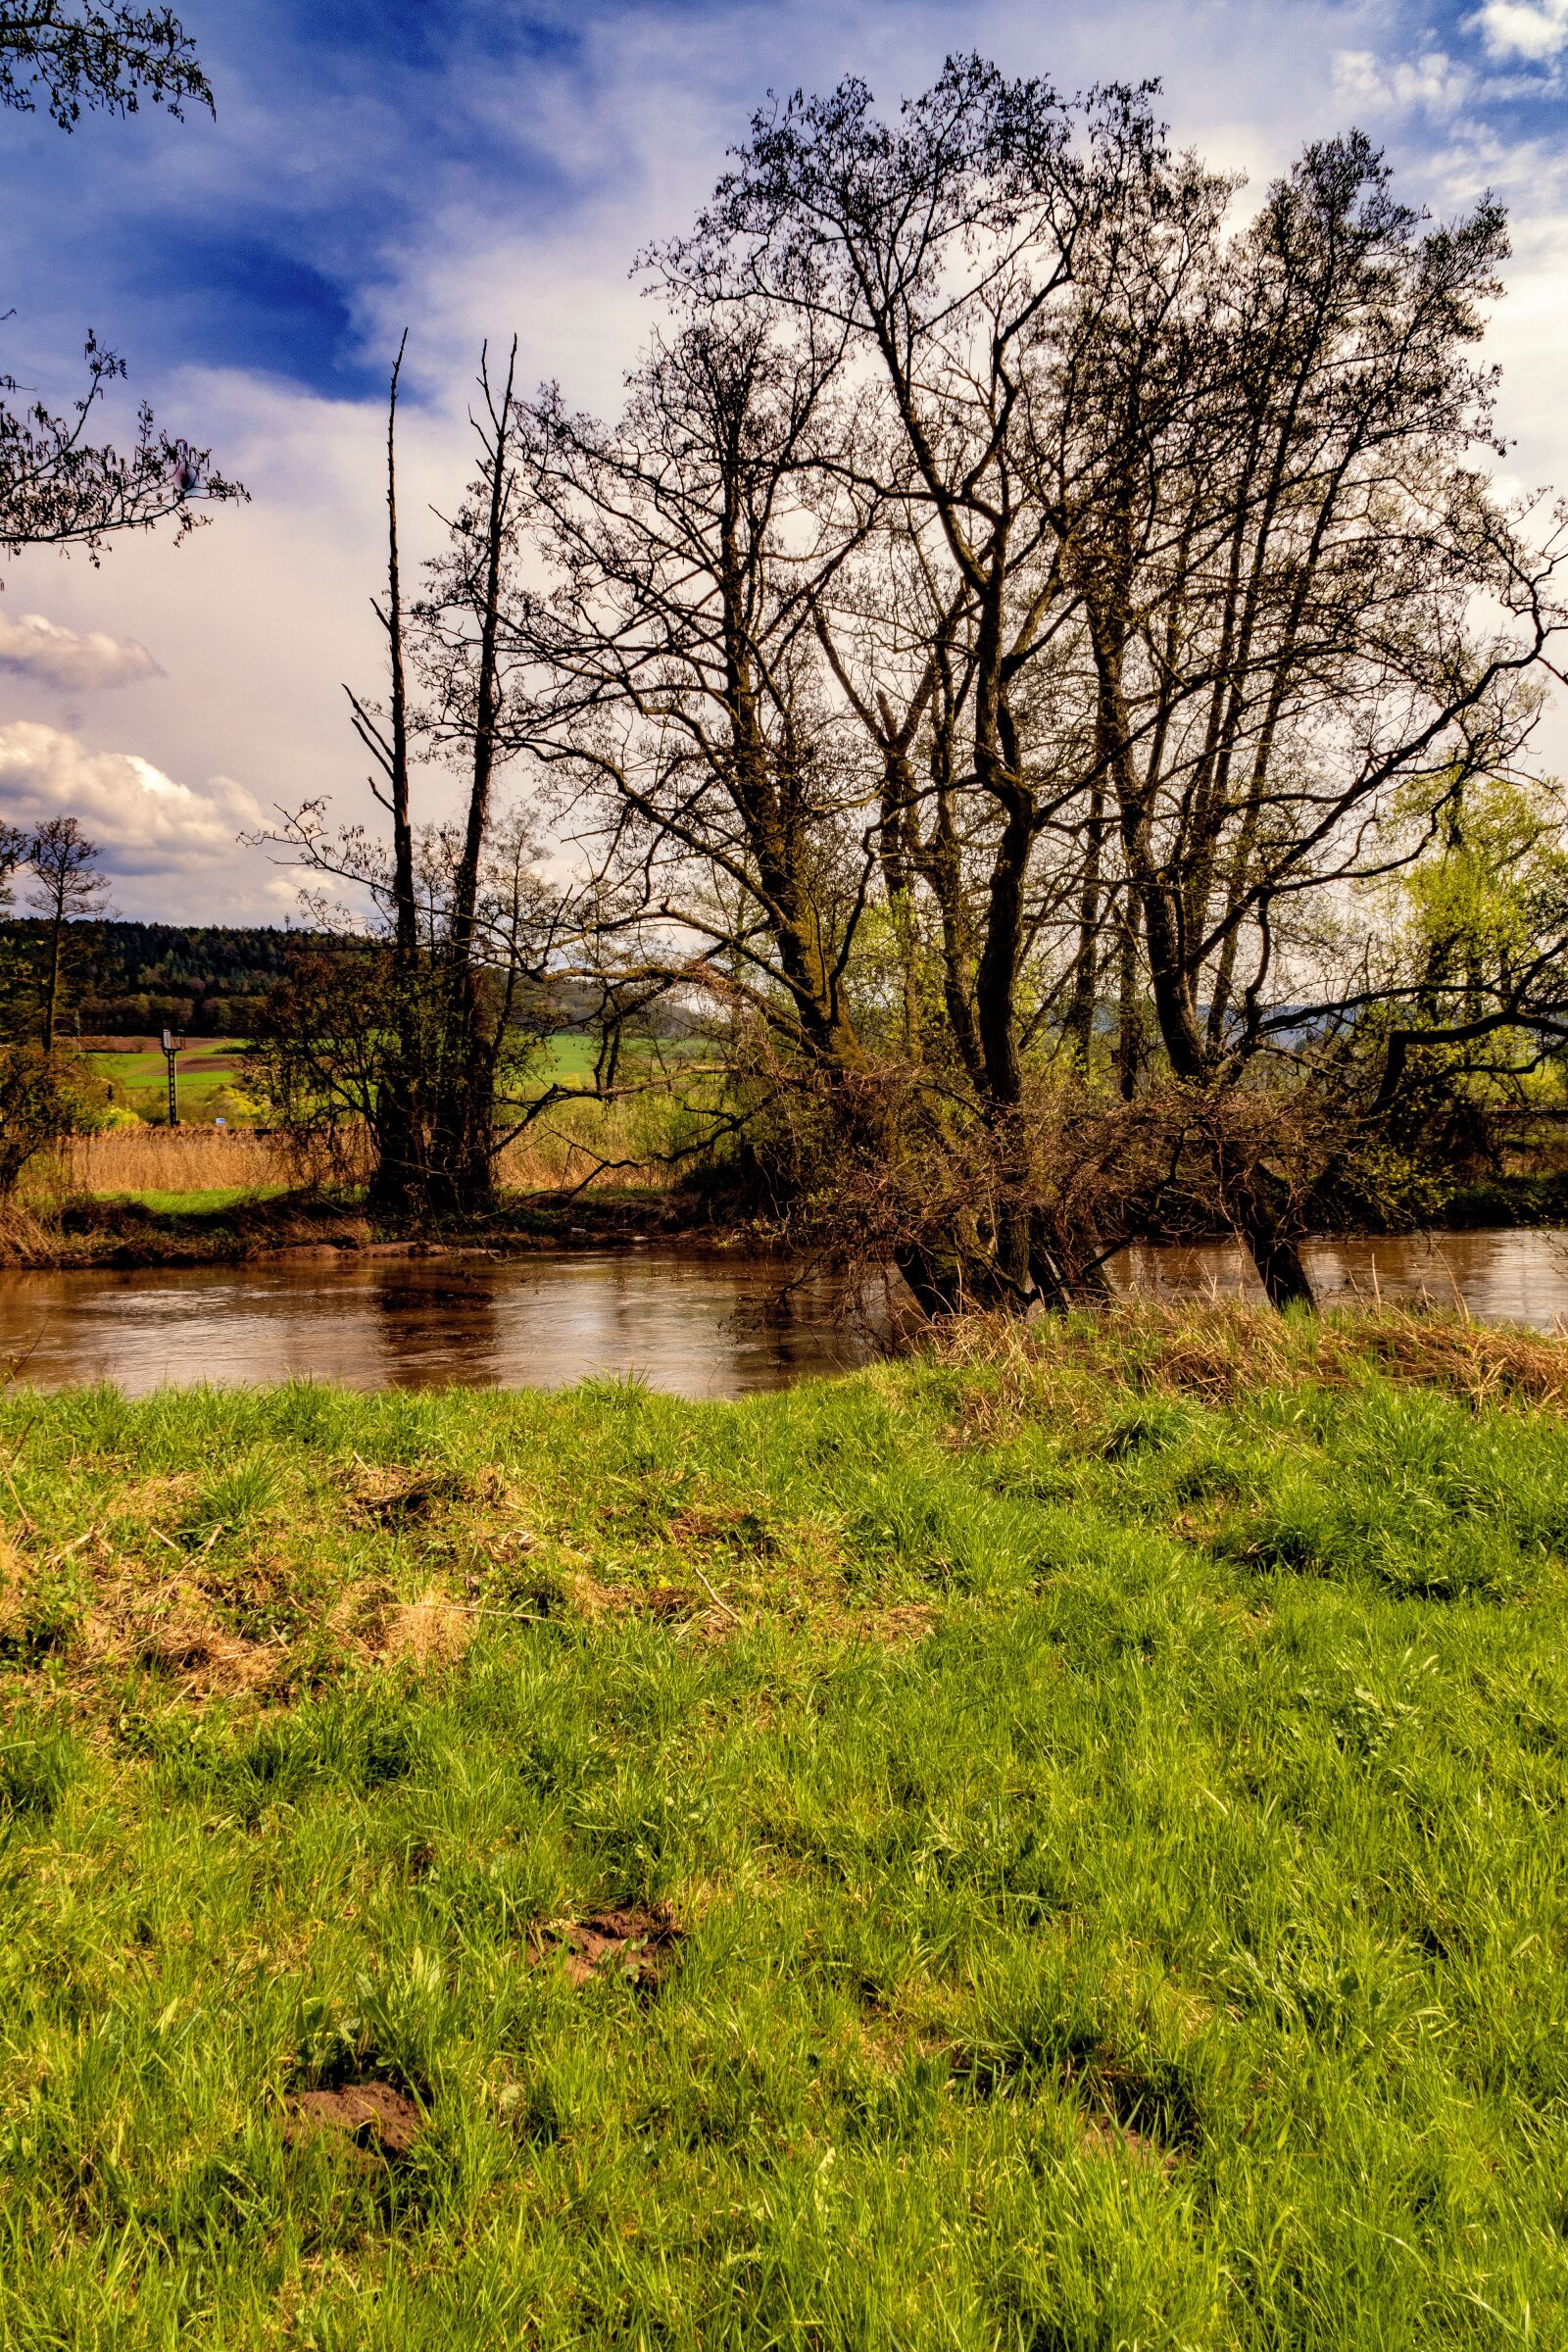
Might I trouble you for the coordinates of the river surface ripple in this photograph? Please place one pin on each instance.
(693, 1322)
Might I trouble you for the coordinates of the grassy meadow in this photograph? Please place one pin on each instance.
(209, 1074)
(200, 1171)
(1054, 1844)
(209, 1079)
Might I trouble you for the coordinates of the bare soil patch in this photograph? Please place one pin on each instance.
(373, 2117)
(637, 1942)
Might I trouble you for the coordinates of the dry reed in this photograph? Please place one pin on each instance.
(173, 1160)
(613, 1146)
(1223, 1348)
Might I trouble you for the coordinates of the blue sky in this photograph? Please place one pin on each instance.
(471, 166)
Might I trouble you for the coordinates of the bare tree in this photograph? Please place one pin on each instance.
(1018, 631)
(808, 603)
(1206, 523)
(67, 886)
(420, 1031)
(58, 487)
(82, 57)
(676, 677)
(1310, 619)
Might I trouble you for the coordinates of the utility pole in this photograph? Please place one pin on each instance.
(171, 1046)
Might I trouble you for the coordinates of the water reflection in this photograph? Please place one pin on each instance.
(696, 1323)
(693, 1323)
(1503, 1276)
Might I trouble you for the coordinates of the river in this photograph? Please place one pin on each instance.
(695, 1322)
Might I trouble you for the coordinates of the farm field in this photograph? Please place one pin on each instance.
(209, 1074)
(208, 1071)
(1046, 1844)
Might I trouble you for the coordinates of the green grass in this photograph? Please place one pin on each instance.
(200, 1199)
(1113, 1795)
(142, 1077)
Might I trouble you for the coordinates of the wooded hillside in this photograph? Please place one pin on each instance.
(137, 978)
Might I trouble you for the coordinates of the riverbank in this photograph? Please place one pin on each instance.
(237, 1228)
(234, 1224)
(1056, 1843)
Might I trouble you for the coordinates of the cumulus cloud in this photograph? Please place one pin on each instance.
(81, 664)
(146, 822)
(1533, 29)
(614, 136)
(1432, 84)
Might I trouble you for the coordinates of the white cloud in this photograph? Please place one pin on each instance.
(263, 616)
(1533, 30)
(78, 663)
(1432, 84)
(146, 822)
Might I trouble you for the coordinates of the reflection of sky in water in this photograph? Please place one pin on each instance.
(692, 1323)
(1505, 1277)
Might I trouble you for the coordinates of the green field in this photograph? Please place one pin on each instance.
(207, 1069)
(1095, 1814)
(211, 1068)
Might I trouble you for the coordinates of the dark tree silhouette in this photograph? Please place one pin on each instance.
(59, 488)
(84, 59)
(66, 887)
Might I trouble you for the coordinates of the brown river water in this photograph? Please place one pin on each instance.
(697, 1323)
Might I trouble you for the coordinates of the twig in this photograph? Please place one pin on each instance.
(479, 1608)
(733, 1614)
(55, 1561)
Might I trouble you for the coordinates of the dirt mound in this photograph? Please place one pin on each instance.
(207, 1658)
(398, 1495)
(667, 1604)
(373, 2117)
(432, 1630)
(909, 1621)
(637, 1942)
(173, 1630)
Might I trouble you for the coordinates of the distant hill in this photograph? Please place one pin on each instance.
(135, 979)
(129, 981)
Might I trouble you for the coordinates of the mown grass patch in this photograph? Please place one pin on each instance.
(1053, 1845)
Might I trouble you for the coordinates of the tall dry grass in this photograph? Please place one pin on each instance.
(171, 1160)
(1222, 1350)
(612, 1144)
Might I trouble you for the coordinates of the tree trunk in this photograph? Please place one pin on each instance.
(1261, 1224)
(1080, 1021)
(1129, 1019)
(51, 992)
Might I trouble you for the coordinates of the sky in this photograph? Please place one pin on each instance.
(478, 167)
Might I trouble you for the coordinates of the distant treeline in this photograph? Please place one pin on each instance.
(127, 979)
(135, 979)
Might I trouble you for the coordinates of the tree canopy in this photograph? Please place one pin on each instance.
(79, 58)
